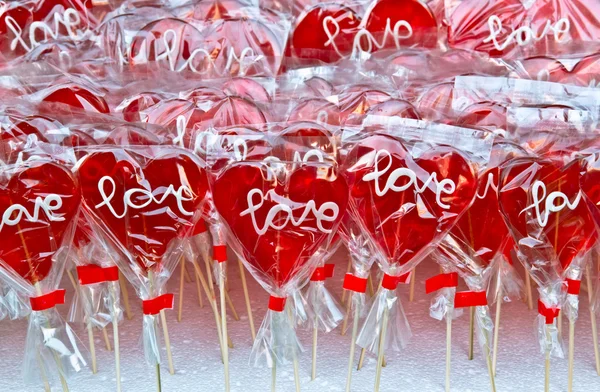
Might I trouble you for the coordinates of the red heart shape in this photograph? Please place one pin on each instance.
(541, 201)
(154, 200)
(279, 253)
(389, 196)
(44, 199)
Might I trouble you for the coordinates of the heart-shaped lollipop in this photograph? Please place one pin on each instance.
(405, 203)
(541, 200)
(280, 223)
(39, 204)
(143, 205)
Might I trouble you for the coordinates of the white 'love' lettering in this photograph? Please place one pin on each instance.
(446, 186)
(70, 20)
(170, 54)
(287, 206)
(549, 203)
(183, 193)
(363, 33)
(50, 203)
(489, 184)
(525, 35)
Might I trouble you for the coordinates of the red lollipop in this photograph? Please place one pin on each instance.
(324, 32)
(586, 72)
(541, 68)
(392, 24)
(40, 202)
(66, 97)
(316, 109)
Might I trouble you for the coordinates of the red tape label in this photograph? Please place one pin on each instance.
(318, 275)
(548, 313)
(155, 305)
(354, 283)
(391, 282)
(276, 304)
(466, 299)
(90, 274)
(573, 286)
(329, 268)
(47, 301)
(220, 253)
(441, 281)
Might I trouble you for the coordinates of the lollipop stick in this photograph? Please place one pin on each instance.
(163, 319)
(106, 340)
(496, 329)
(181, 279)
(314, 351)
(158, 381)
(212, 301)
(381, 348)
(547, 366)
(209, 275)
(370, 286)
(348, 306)
(488, 360)
(411, 293)
(352, 343)
(571, 353)
(471, 332)
(231, 306)
(247, 298)
(296, 373)
(361, 359)
(188, 278)
(90, 331)
(199, 290)
(115, 323)
(560, 323)
(42, 372)
(274, 377)
(593, 319)
(125, 295)
(528, 290)
(448, 349)
(224, 324)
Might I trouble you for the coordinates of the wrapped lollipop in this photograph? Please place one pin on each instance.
(142, 202)
(540, 199)
(41, 201)
(292, 211)
(406, 194)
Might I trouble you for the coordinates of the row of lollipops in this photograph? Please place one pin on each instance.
(124, 177)
(245, 37)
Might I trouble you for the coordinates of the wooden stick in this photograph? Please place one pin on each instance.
(348, 307)
(497, 327)
(181, 280)
(224, 324)
(411, 292)
(593, 319)
(314, 351)
(471, 332)
(209, 275)
(158, 381)
(547, 365)
(361, 359)
(106, 339)
(370, 286)
(571, 353)
(231, 306)
(90, 332)
(125, 294)
(489, 366)
(188, 278)
(448, 349)
(296, 373)
(42, 372)
(352, 343)
(381, 348)
(163, 319)
(213, 303)
(115, 323)
(247, 298)
(528, 290)
(274, 377)
(199, 290)
(560, 323)
(348, 270)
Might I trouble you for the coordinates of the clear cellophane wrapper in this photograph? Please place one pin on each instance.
(98, 304)
(507, 281)
(404, 142)
(324, 311)
(552, 241)
(45, 200)
(523, 28)
(279, 255)
(147, 239)
(244, 45)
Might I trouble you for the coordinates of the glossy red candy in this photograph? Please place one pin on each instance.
(64, 98)
(116, 190)
(407, 203)
(542, 202)
(39, 204)
(279, 231)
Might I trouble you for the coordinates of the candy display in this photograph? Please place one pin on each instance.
(139, 137)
